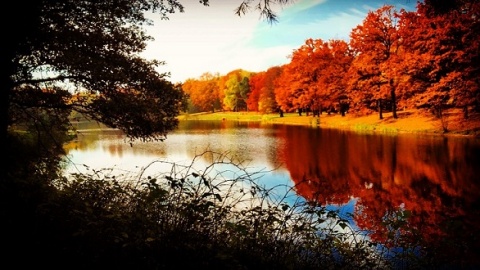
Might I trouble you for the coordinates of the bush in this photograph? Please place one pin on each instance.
(219, 217)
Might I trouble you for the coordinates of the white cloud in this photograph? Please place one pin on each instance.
(214, 39)
(203, 39)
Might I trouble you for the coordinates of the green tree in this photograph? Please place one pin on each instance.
(236, 90)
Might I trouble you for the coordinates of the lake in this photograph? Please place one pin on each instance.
(430, 183)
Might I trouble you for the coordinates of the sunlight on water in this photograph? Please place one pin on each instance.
(253, 148)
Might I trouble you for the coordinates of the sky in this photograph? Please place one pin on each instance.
(214, 39)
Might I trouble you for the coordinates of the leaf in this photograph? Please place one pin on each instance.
(204, 195)
(205, 182)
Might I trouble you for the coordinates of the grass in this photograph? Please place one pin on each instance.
(408, 121)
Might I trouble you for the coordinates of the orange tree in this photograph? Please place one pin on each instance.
(256, 82)
(267, 101)
(299, 77)
(262, 87)
(376, 45)
(314, 77)
(442, 55)
(203, 93)
(332, 82)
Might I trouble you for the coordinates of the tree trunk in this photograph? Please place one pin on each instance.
(394, 100)
(465, 112)
(380, 111)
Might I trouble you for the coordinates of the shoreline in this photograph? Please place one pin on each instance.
(408, 121)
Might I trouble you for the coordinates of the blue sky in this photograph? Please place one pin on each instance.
(213, 39)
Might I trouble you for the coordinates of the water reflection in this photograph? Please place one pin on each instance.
(253, 146)
(435, 179)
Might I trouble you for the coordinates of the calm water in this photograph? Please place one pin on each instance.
(437, 179)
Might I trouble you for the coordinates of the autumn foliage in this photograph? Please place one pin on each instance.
(395, 59)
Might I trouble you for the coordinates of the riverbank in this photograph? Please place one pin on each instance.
(409, 121)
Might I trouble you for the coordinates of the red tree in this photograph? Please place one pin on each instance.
(442, 55)
(376, 45)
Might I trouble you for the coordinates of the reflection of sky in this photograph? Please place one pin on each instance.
(247, 144)
(253, 148)
(262, 151)
(256, 149)
(345, 209)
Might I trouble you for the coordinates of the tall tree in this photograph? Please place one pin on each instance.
(299, 77)
(375, 42)
(314, 78)
(442, 55)
(332, 83)
(262, 87)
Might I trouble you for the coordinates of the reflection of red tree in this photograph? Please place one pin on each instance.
(431, 177)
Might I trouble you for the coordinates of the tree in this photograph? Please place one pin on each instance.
(236, 89)
(297, 83)
(266, 102)
(331, 82)
(376, 42)
(262, 86)
(314, 78)
(66, 47)
(282, 91)
(441, 55)
(203, 92)
(257, 82)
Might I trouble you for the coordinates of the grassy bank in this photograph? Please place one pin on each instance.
(410, 121)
